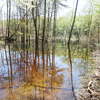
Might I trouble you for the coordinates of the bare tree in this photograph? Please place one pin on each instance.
(69, 49)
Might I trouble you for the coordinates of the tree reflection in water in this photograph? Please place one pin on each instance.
(23, 76)
(27, 78)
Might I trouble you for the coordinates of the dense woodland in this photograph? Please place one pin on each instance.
(32, 36)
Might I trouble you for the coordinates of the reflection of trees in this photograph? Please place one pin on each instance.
(35, 74)
(31, 75)
(30, 79)
(38, 83)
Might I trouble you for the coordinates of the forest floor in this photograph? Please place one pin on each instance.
(91, 89)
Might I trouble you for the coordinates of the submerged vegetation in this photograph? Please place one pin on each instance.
(49, 57)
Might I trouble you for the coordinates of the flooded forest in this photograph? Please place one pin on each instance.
(49, 49)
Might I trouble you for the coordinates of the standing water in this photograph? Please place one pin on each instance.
(23, 77)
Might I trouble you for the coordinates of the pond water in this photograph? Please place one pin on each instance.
(24, 77)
